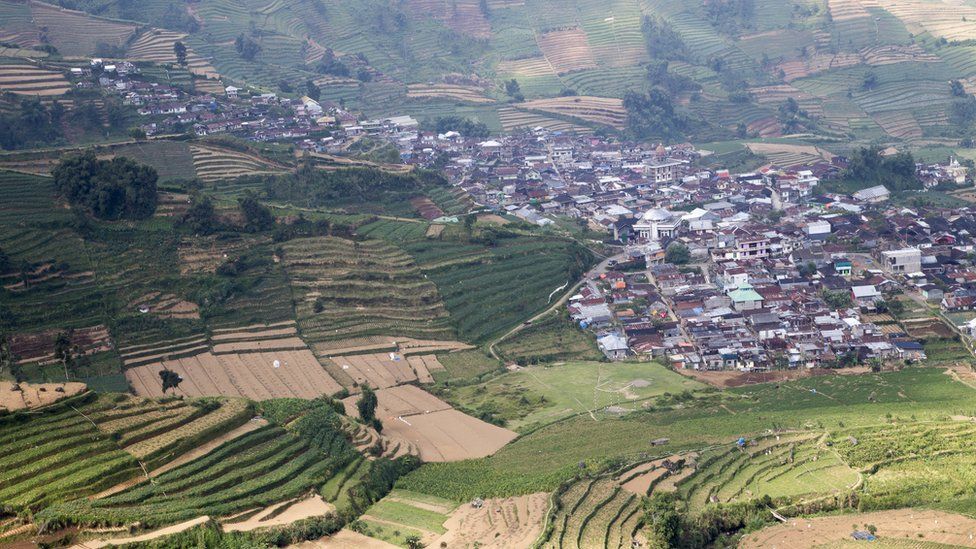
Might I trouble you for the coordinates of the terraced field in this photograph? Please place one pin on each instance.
(598, 110)
(263, 467)
(567, 50)
(214, 164)
(26, 79)
(350, 289)
(466, 94)
(156, 45)
(88, 443)
(77, 33)
(594, 513)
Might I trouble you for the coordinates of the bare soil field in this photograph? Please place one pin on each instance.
(448, 435)
(405, 400)
(31, 396)
(204, 255)
(345, 539)
(423, 365)
(935, 526)
(725, 379)
(77, 33)
(927, 327)
(567, 50)
(530, 67)
(282, 513)
(378, 370)
(278, 344)
(426, 208)
(501, 523)
(39, 346)
(417, 419)
(252, 375)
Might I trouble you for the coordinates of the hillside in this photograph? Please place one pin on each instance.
(874, 70)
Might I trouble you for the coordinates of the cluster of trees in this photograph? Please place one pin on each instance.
(463, 125)
(310, 187)
(667, 526)
(792, 118)
(867, 167)
(247, 47)
(661, 40)
(108, 189)
(659, 75)
(731, 14)
(514, 90)
(31, 124)
(201, 217)
(653, 114)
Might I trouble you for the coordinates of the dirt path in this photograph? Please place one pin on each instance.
(934, 526)
(193, 454)
(309, 507)
(345, 539)
(174, 529)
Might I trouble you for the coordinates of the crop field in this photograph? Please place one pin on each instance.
(499, 523)
(213, 164)
(363, 288)
(493, 293)
(789, 155)
(403, 513)
(74, 449)
(430, 428)
(252, 375)
(613, 30)
(382, 369)
(855, 401)
(467, 94)
(35, 395)
(258, 469)
(594, 513)
(512, 119)
(77, 33)
(555, 392)
(171, 159)
(598, 110)
(38, 347)
(157, 46)
(896, 529)
(550, 339)
(567, 50)
(940, 18)
(532, 67)
(26, 79)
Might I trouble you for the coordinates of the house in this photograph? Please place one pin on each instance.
(614, 346)
(657, 224)
(872, 195)
(866, 296)
(904, 261)
(745, 299)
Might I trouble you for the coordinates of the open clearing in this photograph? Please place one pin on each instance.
(282, 513)
(935, 526)
(572, 388)
(500, 523)
(29, 396)
(345, 539)
(252, 375)
(417, 419)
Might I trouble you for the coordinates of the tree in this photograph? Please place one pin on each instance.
(285, 86)
(469, 221)
(170, 379)
(870, 81)
(661, 40)
(6, 355)
(866, 167)
(5, 262)
(838, 299)
(257, 216)
(179, 48)
(247, 47)
(108, 189)
(312, 90)
(653, 115)
(514, 90)
(200, 217)
(367, 404)
(62, 351)
(677, 254)
(413, 542)
(957, 89)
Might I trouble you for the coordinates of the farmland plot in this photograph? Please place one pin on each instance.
(467, 94)
(599, 110)
(413, 417)
(77, 33)
(252, 375)
(29, 396)
(156, 45)
(27, 79)
(213, 164)
(567, 50)
(499, 523)
(350, 289)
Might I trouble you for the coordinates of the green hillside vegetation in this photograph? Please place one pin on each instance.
(722, 58)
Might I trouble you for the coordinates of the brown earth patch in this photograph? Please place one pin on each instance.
(501, 523)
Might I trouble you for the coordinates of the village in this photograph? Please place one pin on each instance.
(711, 270)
